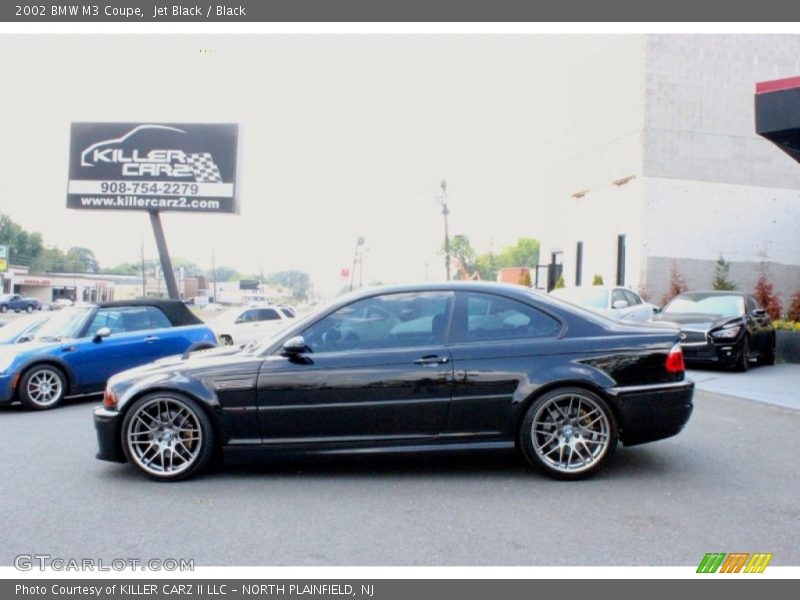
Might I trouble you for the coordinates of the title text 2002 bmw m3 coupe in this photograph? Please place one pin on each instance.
(437, 366)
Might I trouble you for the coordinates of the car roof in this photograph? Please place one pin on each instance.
(176, 311)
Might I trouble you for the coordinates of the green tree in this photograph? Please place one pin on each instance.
(297, 281)
(525, 253)
(81, 260)
(560, 283)
(721, 275)
(462, 250)
(24, 247)
(597, 279)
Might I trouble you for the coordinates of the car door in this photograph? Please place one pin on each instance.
(95, 359)
(637, 310)
(498, 345)
(360, 382)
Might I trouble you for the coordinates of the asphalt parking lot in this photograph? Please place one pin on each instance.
(729, 482)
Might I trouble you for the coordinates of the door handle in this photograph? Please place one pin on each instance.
(68, 349)
(432, 360)
(151, 338)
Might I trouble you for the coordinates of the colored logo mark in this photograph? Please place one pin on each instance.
(735, 562)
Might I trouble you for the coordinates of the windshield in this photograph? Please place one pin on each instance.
(706, 304)
(66, 323)
(10, 332)
(589, 297)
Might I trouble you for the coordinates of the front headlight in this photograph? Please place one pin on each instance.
(727, 333)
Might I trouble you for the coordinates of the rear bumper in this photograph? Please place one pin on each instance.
(107, 424)
(652, 412)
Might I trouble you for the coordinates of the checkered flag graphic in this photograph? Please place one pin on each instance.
(204, 168)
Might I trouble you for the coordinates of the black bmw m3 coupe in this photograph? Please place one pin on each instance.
(409, 368)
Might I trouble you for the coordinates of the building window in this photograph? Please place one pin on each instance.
(578, 263)
(621, 259)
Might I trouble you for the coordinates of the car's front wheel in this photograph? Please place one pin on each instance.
(3, 309)
(29, 308)
(42, 387)
(167, 436)
(743, 358)
(568, 433)
(226, 340)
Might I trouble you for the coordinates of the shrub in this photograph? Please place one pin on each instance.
(597, 279)
(560, 283)
(794, 307)
(721, 274)
(677, 284)
(765, 294)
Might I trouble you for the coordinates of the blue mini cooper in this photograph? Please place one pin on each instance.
(79, 348)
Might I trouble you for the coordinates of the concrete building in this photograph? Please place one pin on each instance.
(659, 166)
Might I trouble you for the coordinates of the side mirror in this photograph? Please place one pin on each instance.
(619, 304)
(24, 338)
(103, 332)
(759, 312)
(656, 310)
(294, 346)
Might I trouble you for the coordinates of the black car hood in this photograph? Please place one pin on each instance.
(695, 321)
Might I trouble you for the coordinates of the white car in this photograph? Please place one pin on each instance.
(251, 323)
(617, 303)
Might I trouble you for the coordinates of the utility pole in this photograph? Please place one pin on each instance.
(144, 276)
(359, 243)
(214, 274)
(445, 212)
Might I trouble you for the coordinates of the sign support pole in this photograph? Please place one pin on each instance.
(163, 254)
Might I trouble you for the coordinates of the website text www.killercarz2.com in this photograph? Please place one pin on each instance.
(149, 203)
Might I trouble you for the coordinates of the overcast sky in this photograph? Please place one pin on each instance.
(342, 136)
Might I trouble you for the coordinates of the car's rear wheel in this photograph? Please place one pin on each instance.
(42, 387)
(167, 436)
(226, 340)
(768, 357)
(3, 309)
(29, 308)
(568, 433)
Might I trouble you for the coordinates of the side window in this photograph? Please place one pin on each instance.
(616, 295)
(633, 299)
(120, 320)
(248, 316)
(158, 320)
(268, 314)
(491, 317)
(388, 321)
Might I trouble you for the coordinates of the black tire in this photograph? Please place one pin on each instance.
(600, 418)
(42, 387)
(768, 358)
(29, 308)
(226, 340)
(133, 429)
(3, 309)
(743, 358)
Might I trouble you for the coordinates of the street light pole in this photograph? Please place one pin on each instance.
(445, 212)
(359, 242)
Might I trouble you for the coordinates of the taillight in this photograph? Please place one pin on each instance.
(675, 360)
(109, 399)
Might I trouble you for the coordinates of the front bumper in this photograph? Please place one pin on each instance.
(722, 353)
(7, 391)
(108, 425)
(652, 412)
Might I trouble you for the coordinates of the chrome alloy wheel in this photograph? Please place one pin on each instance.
(164, 436)
(570, 433)
(44, 387)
